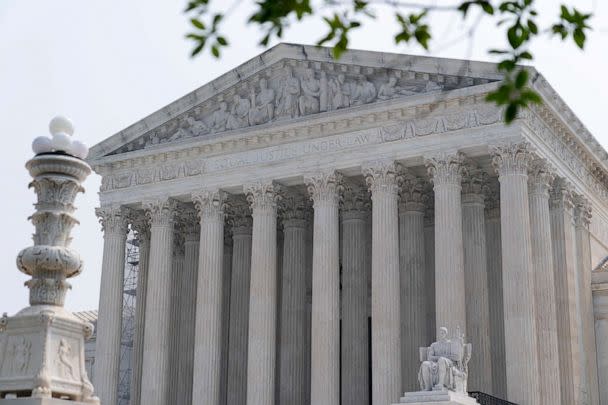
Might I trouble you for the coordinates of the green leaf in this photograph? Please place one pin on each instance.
(197, 49)
(579, 38)
(197, 23)
(521, 79)
(511, 113)
(222, 41)
(215, 51)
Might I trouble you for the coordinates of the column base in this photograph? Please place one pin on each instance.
(436, 398)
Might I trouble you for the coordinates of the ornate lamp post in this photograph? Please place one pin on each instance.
(42, 346)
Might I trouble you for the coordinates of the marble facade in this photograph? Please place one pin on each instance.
(333, 214)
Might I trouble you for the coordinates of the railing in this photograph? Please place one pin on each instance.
(487, 399)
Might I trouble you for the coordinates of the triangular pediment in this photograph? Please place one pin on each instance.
(293, 81)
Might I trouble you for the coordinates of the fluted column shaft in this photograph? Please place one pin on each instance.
(382, 179)
(429, 258)
(187, 313)
(414, 287)
(476, 281)
(521, 351)
(497, 325)
(177, 273)
(239, 308)
(109, 321)
(293, 307)
(155, 378)
(582, 218)
(226, 292)
(325, 328)
(261, 355)
(208, 332)
(544, 283)
(600, 309)
(564, 265)
(355, 334)
(446, 173)
(142, 227)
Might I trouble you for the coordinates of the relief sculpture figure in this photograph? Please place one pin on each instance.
(390, 90)
(65, 359)
(239, 113)
(444, 365)
(287, 104)
(339, 92)
(219, 118)
(309, 100)
(364, 92)
(262, 106)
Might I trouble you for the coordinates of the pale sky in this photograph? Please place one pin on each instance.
(106, 64)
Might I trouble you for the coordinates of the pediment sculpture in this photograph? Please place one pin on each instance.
(445, 364)
(294, 90)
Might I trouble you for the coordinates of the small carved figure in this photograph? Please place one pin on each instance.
(181, 133)
(445, 367)
(21, 356)
(196, 127)
(324, 93)
(239, 113)
(287, 104)
(65, 359)
(390, 90)
(365, 92)
(432, 86)
(262, 106)
(219, 118)
(309, 100)
(340, 92)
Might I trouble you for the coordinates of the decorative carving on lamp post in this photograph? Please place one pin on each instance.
(42, 351)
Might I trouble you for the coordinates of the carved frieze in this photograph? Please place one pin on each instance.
(291, 89)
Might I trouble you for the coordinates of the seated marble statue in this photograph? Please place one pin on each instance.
(444, 364)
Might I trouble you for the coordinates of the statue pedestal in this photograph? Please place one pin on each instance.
(436, 398)
(42, 358)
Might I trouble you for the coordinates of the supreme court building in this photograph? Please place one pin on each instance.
(306, 224)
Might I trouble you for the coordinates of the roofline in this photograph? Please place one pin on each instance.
(426, 64)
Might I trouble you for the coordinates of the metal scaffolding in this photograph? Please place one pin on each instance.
(128, 319)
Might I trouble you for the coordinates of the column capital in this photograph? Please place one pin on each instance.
(210, 204)
(239, 217)
(263, 195)
(294, 210)
(113, 219)
(445, 168)
(383, 176)
(160, 212)
(414, 196)
(355, 203)
(582, 211)
(561, 195)
(474, 181)
(492, 198)
(191, 226)
(140, 223)
(540, 177)
(512, 158)
(324, 186)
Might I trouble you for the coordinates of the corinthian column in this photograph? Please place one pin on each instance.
(382, 179)
(414, 287)
(564, 265)
(141, 225)
(355, 334)
(208, 332)
(157, 333)
(261, 356)
(511, 162)
(539, 182)
(445, 171)
(226, 279)
(494, 255)
(187, 313)
(476, 279)
(293, 304)
(240, 219)
(177, 273)
(114, 225)
(325, 329)
(582, 218)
